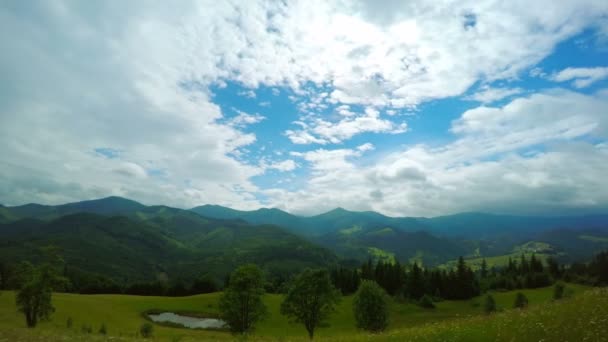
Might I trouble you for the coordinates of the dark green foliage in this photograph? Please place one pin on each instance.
(105, 254)
(69, 323)
(414, 285)
(521, 301)
(37, 284)
(426, 302)
(86, 329)
(345, 279)
(241, 303)
(558, 290)
(102, 329)
(370, 307)
(483, 272)
(489, 305)
(204, 284)
(310, 299)
(146, 330)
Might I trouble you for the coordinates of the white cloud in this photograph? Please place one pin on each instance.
(581, 77)
(244, 119)
(489, 95)
(322, 131)
(250, 94)
(527, 157)
(134, 76)
(283, 166)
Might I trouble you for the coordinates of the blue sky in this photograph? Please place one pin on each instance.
(409, 109)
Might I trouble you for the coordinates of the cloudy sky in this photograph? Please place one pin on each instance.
(409, 108)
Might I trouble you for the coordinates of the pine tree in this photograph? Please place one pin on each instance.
(489, 304)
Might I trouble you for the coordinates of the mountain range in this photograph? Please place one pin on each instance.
(129, 241)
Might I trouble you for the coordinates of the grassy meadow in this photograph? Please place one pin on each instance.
(585, 313)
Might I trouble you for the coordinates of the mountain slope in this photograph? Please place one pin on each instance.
(169, 241)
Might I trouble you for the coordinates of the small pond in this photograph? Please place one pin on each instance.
(188, 321)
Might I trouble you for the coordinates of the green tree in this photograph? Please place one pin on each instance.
(484, 268)
(310, 299)
(370, 306)
(34, 298)
(489, 305)
(558, 290)
(521, 301)
(241, 303)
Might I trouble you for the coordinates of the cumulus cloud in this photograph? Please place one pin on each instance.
(244, 119)
(322, 131)
(135, 77)
(526, 157)
(581, 77)
(283, 166)
(489, 95)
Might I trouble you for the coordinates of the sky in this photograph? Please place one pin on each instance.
(408, 108)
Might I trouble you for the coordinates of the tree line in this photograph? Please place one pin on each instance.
(461, 282)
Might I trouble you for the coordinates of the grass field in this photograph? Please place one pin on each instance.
(450, 321)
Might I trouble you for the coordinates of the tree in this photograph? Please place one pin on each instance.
(489, 305)
(484, 268)
(370, 306)
(415, 283)
(310, 299)
(241, 303)
(37, 284)
(521, 301)
(558, 290)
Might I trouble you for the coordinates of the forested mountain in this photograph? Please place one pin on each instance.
(128, 240)
(157, 241)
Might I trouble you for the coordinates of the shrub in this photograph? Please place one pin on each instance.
(69, 322)
(146, 330)
(426, 302)
(102, 329)
(370, 306)
(520, 301)
(86, 329)
(558, 290)
(489, 304)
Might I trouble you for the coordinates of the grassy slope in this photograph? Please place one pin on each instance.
(121, 314)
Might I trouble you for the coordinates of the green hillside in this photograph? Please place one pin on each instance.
(385, 242)
(167, 241)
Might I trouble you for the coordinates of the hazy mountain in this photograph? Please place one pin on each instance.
(105, 206)
(256, 236)
(463, 225)
(481, 225)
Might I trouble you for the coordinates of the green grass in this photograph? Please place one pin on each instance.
(122, 316)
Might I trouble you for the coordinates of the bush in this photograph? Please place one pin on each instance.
(426, 302)
(370, 306)
(146, 330)
(102, 329)
(489, 305)
(69, 322)
(558, 290)
(520, 301)
(86, 329)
